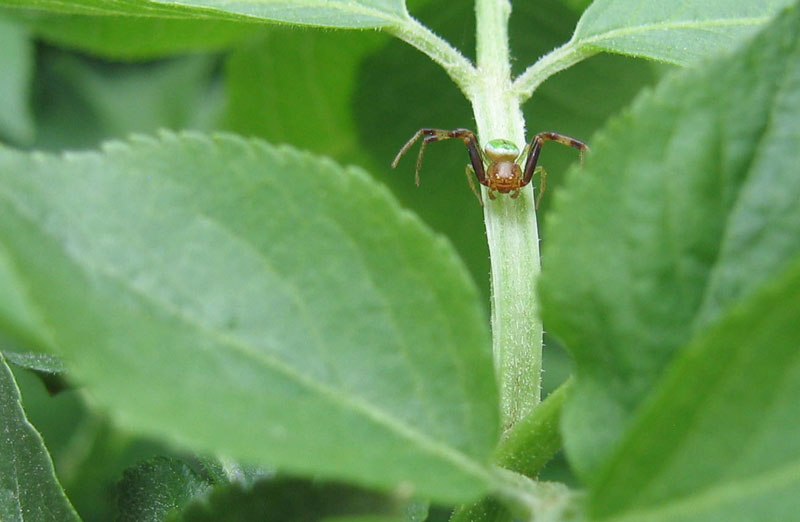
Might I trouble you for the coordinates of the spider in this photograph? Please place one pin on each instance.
(503, 173)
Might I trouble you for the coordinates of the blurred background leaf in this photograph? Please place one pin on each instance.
(81, 102)
(89, 454)
(132, 37)
(297, 500)
(17, 66)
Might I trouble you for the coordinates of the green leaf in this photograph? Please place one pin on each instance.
(39, 362)
(226, 471)
(154, 489)
(88, 453)
(727, 419)
(21, 330)
(29, 490)
(261, 303)
(82, 103)
(525, 448)
(687, 204)
(535, 439)
(326, 13)
(48, 368)
(16, 64)
(120, 37)
(577, 5)
(293, 500)
(673, 31)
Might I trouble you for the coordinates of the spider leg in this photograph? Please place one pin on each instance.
(471, 172)
(535, 148)
(428, 135)
(542, 183)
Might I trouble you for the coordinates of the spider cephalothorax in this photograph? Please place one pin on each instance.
(498, 165)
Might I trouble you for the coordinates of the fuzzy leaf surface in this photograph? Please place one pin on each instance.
(687, 204)
(727, 418)
(154, 489)
(292, 313)
(675, 31)
(324, 13)
(29, 489)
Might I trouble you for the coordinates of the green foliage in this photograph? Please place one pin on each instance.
(673, 31)
(687, 205)
(274, 89)
(120, 37)
(238, 324)
(329, 13)
(154, 489)
(16, 62)
(40, 362)
(84, 103)
(734, 454)
(534, 440)
(29, 490)
(211, 252)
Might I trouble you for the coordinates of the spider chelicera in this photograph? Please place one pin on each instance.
(501, 157)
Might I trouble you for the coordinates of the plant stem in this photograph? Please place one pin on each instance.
(511, 226)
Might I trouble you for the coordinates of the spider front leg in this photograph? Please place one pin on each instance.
(535, 148)
(428, 135)
(542, 183)
(470, 173)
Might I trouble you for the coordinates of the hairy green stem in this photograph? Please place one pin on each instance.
(511, 226)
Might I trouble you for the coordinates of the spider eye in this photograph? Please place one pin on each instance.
(501, 150)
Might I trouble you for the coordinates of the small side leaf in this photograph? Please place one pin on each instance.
(29, 489)
(152, 490)
(727, 416)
